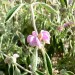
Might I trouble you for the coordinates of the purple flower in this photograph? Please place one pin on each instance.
(36, 40)
(67, 24)
(45, 36)
(33, 41)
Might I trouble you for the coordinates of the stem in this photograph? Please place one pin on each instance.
(9, 69)
(23, 68)
(33, 19)
(13, 69)
(73, 53)
(59, 18)
(34, 61)
(35, 54)
(44, 56)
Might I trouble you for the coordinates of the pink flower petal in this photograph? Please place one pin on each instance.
(38, 43)
(45, 36)
(33, 41)
(34, 33)
(30, 38)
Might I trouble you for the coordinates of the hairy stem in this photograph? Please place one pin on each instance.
(33, 19)
(23, 68)
(45, 62)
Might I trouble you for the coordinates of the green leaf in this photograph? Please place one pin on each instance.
(17, 71)
(73, 5)
(63, 2)
(21, 37)
(13, 11)
(28, 60)
(48, 8)
(70, 73)
(39, 73)
(15, 38)
(49, 64)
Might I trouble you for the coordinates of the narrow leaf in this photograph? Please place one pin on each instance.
(13, 11)
(21, 37)
(70, 73)
(63, 2)
(17, 71)
(10, 12)
(48, 8)
(49, 64)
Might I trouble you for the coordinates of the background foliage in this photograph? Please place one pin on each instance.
(51, 15)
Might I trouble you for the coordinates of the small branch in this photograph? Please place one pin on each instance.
(44, 57)
(33, 19)
(23, 68)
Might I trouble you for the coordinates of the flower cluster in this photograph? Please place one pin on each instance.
(36, 40)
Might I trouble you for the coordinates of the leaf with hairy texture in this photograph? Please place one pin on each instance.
(17, 71)
(48, 8)
(13, 11)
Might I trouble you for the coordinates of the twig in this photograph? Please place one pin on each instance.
(23, 68)
(33, 19)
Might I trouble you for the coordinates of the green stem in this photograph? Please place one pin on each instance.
(13, 69)
(45, 62)
(73, 44)
(35, 54)
(34, 61)
(23, 68)
(33, 19)
(9, 69)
